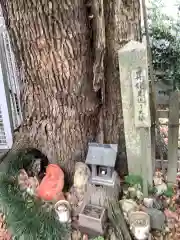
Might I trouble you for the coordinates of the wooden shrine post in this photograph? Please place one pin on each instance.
(135, 102)
(173, 133)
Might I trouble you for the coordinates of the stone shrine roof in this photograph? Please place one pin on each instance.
(102, 154)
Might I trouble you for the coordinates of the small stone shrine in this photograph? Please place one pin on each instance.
(104, 181)
(104, 185)
(102, 158)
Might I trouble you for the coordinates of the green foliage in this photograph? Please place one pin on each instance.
(152, 190)
(20, 160)
(26, 216)
(132, 180)
(169, 192)
(165, 45)
(98, 238)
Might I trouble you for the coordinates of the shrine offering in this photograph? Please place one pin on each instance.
(139, 225)
(62, 209)
(52, 184)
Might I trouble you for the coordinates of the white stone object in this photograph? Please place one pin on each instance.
(139, 224)
(128, 205)
(148, 202)
(62, 209)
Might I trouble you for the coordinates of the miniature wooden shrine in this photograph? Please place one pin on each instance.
(93, 217)
(101, 158)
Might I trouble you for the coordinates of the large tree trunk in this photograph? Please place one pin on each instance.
(122, 25)
(68, 100)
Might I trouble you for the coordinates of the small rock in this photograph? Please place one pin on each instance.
(128, 205)
(161, 189)
(148, 202)
(167, 229)
(157, 218)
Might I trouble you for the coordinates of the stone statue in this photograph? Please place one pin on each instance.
(81, 177)
(77, 192)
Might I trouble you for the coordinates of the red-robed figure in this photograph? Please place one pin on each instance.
(52, 184)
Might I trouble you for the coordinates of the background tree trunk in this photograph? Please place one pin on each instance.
(123, 23)
(55, 43)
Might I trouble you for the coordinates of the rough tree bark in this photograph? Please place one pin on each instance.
(67, 54)
(123, 23)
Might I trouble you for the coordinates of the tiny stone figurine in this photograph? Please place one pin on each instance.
(28, 184)
(77, 192)
(23, 180)
(36, 166)
(158, 178)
